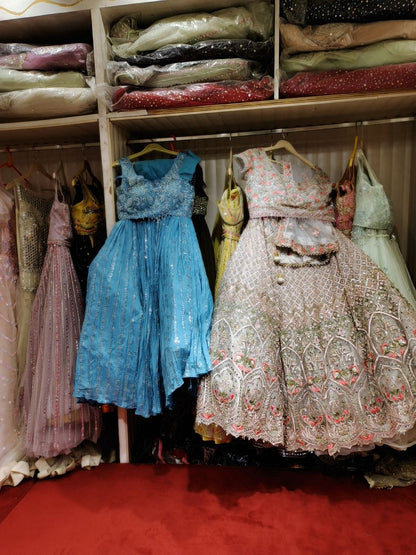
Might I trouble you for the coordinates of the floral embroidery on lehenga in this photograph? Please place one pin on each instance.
(306, 356)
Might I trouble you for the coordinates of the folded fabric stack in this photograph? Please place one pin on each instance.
(193, 59)
(45, 81)
(337, 47)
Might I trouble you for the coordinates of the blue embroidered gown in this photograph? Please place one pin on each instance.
(149, 305)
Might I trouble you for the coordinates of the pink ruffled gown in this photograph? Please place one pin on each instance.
(55, 422)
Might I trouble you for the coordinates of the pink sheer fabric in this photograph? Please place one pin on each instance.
(201, 94)
(390, 77)
(55, 422)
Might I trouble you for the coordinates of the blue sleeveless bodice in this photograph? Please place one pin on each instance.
(156, 188)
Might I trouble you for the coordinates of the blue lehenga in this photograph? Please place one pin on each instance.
(149, 304)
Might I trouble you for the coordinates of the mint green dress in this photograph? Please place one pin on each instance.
(373, 227)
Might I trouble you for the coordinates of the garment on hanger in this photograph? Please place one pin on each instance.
(203, 235)
(253, 21)
(378, 54)
(55, 422)
(88, 221)
(331, 36)
(312, 348)
(390, 77)
(373, 229)
(184, 73)
(11, 449)
(214, 49)
(149, 306)
(231, 217)
(343, 195)
(199, 94)
(32, 225)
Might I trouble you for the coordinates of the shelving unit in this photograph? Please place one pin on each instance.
(113, 131)
(75, 129)
(268, 114)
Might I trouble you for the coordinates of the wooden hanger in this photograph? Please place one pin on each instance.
(229, 174)
(354, 151)
(151, 147)
(290, 148)
(34, 168)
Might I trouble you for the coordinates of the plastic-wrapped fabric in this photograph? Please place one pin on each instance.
(294, 12)
(262, 51)
(46, 103)
(232, 69)
(390, 77)
(380, 53)
(14, 80)
(73, 56)
(201, 94)
(14, 48)
(313, 12)
(326, 11)
(254, 21)
(331, 36)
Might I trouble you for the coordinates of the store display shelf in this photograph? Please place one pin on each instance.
(74, 129)
(269, 114)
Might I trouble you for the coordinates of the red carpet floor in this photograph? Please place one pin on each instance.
(205, 510)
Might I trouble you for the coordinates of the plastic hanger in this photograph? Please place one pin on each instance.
(9, 162)
(151, 147)
(86, 169)
(290, 148)
(34, 168)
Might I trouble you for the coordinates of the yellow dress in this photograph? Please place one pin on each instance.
(231, 216)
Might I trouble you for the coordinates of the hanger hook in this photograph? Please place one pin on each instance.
(359, 131)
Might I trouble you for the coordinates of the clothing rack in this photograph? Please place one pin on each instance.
(27, 148)
(281, 131)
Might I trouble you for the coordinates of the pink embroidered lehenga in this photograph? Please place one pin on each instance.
(312, 348)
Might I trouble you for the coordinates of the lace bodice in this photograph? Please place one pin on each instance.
(284, 188)
(33, 226)
(157, 188)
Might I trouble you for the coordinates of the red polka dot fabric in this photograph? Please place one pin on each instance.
(389, 77)
(200, 94)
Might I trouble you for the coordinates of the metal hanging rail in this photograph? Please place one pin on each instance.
(287, 131)
(53, 147)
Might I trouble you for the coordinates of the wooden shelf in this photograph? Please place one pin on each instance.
(269, 114)
(74, 129)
